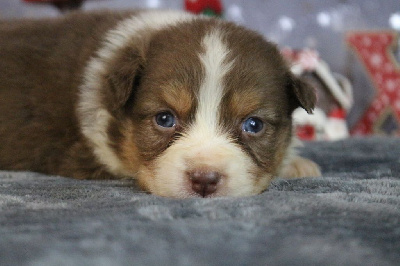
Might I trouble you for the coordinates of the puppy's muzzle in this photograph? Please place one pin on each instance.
(204, 182)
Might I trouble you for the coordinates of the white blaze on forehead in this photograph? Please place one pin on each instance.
(205, 145)
(216, 65)
(95, 118)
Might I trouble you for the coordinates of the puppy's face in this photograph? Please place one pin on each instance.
(202, 109)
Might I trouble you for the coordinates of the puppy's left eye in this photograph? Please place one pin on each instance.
(165, 119)
(252, 125)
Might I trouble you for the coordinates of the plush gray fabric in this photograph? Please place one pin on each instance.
(350, 216)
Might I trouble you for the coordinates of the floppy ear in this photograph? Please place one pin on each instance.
(123, 77)
(301, 94)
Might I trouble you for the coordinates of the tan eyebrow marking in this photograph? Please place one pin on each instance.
(179, 99)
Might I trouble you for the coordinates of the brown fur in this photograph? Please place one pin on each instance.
(42, 65)
(38, 126)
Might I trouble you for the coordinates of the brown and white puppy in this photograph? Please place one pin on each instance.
(189, 106)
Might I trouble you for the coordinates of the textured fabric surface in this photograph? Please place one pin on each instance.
(350, 216)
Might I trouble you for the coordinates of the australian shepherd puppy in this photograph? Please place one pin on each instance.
(188, 106)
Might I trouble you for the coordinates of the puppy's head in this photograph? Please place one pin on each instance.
(192, 107)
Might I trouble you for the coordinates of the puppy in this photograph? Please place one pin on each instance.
(188, 106)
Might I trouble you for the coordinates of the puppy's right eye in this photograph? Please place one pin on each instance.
(165, 119)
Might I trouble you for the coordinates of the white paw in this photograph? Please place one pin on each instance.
(300, 167)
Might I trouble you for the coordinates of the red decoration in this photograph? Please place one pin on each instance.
(209, 7)
(375, 50)
(306, 132)
(338, 113)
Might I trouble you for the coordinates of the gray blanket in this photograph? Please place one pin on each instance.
(350, 216)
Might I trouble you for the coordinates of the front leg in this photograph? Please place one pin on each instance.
(298, 166)
(80, 163)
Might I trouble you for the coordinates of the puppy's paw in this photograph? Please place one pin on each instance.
(300, 167)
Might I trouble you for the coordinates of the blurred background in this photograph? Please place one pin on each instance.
(320, 26)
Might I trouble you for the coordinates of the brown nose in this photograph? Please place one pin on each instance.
(204, 183)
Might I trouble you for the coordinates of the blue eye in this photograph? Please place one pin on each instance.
(165, 119)
(252, 125)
